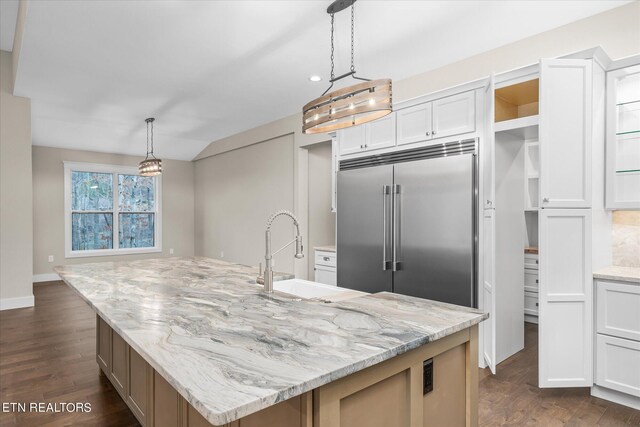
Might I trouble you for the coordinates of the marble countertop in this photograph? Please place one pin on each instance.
(230, 349)
(622, 274)
(325, 248)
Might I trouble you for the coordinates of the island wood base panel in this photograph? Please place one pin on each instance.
(387, 394)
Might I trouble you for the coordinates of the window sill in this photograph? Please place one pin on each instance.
(111, 252)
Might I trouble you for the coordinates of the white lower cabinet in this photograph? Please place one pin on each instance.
(325, 268)
(531, 280)
(617, 367)
(618, 364)
(531, 304)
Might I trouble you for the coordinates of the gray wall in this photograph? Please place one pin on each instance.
(48, 206)
(322, 222)
(16, 227)
(236, 192)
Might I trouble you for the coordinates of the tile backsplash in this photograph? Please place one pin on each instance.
(626, 238)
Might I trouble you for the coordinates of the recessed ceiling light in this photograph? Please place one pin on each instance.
(315, 78)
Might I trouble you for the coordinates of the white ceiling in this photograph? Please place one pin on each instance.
(208, 69)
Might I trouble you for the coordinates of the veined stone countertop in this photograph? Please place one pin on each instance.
(622, 274)
(230, 349)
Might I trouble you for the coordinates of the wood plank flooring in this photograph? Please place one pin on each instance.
(47, 354)
(512, 397)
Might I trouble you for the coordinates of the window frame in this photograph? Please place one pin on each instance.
(115, 170)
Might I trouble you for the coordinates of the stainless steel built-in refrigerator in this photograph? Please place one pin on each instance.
(407, 223)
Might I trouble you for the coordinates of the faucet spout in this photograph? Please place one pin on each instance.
(267, 277)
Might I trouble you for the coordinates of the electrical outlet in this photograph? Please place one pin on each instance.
(50, 258)
(170, 251)
(427, 376)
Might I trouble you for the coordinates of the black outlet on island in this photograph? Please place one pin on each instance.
(427, 376)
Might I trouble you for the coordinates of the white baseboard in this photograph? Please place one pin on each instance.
(616, 396)
(20, 302)
(47, 277)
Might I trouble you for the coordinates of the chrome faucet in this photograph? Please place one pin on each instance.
(266, 278)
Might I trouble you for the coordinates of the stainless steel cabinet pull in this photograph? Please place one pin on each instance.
(326, 258)
(536, 280)
(385, 193)
(545, 200)
(428, 133)
(433, 132)
(396, 228)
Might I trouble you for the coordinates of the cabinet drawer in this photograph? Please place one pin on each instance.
(531, 303)
(618, 364)
(531, 261)
(531, 280)
(618, 309)
(325, 258)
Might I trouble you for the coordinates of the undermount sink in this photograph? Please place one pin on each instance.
(307, 289)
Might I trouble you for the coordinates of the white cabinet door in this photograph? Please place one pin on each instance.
(623, 139)
(565, 133)
(454, 115)
(351, 140)
(413, 124)
(618, 309)
(488, 290)
(487, 148)
(565, 299)
(381, 133)
(618, 364)
(326, 275)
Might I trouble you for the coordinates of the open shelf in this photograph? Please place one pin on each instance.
(523, 127)
(517, 101)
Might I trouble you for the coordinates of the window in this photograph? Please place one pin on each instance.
(110, 210)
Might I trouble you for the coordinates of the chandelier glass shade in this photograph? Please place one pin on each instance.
(151, 165)
(350, 106)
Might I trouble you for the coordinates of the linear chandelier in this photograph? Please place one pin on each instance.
(352, 105)
(150, 166)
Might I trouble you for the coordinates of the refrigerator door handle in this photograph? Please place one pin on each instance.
(386, 191)
(395, 264)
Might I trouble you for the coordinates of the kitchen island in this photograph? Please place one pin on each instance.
(195, 342)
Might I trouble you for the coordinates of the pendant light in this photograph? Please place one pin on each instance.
(150, 166)
(352, 105)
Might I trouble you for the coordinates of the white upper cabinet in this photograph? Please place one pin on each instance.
(454, 115)
(414, 124)
(623, 139)
(565, 133)
(380, 133)
(444, 117)
(351, 140)
(373, 135)
(566, 295)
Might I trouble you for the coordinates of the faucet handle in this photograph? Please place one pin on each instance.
(260, 278)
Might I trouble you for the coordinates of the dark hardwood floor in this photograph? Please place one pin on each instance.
(512, 397)
(47, 354)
